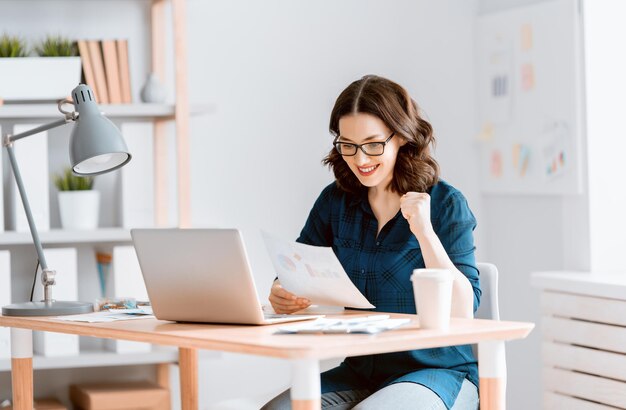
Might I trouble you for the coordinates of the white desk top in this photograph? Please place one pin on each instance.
(583, 283)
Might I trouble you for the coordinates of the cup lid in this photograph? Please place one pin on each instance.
(429, 273)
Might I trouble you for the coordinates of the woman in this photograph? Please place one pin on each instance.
(386, 214)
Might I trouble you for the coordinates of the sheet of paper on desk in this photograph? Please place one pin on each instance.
(368, 325)
(313, 272)
(109, 316)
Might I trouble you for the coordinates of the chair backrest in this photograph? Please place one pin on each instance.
(488, 308)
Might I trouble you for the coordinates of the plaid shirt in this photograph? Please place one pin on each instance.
(380, 266)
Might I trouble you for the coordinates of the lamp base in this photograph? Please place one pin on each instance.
(54, 308)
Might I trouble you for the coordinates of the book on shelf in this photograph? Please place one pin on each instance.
(111, 69)
(88, 74)
(124, 70)
(97, 63)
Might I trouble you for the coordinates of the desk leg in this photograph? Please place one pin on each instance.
(22, 368)
(492, 374)
(305, 384)
(188, 363)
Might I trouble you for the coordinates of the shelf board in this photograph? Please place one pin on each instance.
(99, 358)
(117, 111)
(62, 236)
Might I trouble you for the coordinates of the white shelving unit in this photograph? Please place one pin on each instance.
(64, 237)
(99, 358)
(92, 352)
(123, 112)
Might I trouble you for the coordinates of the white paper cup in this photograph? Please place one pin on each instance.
(432, 289)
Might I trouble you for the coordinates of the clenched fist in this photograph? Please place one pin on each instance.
(415, 207)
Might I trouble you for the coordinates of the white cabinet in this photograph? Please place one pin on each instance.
(583, 340)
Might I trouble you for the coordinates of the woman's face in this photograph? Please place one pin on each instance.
(372, 171)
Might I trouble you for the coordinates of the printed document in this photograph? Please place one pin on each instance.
(368, 325)
(111, 315)
(313, 272)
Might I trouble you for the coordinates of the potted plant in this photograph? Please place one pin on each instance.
(79, 204)
(12, 46)
(50, 76)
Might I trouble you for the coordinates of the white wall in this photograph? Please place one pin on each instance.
(274, 68)
(523, 234)
(605, 84)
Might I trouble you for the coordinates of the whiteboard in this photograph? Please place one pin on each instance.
(530, 99)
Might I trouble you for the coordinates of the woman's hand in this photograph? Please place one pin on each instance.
(415, 207)
(286, 302)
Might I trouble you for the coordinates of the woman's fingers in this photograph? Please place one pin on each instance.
(280, 292)
(286, 302)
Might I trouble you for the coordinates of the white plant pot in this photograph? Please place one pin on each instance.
(79, 209)
(38, 78)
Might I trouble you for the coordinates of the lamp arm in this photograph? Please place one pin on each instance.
(48, 275)
(8, 139)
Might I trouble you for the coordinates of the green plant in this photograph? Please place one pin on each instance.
(12, 46)
(67, 181)
(56, 46)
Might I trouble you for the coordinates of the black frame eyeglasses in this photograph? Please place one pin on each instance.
(372, 149)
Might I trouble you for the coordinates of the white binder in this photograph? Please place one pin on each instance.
(137, 207)
(5, 299)
(31, 155)
(125, 280)
(64, 262)
(1, 193)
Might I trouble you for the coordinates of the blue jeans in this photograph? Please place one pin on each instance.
(341, 391)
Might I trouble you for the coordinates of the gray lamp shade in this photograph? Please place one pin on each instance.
(96, 144)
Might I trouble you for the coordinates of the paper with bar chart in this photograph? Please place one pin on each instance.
(313, 272)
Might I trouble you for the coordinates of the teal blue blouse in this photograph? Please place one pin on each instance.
(380, 266)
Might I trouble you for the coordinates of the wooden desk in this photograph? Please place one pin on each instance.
(304, 351)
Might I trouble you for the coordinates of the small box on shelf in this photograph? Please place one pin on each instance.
(120, 395)
(29, 78)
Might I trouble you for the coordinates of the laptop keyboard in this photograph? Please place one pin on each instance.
(275, 315)
(269, 316)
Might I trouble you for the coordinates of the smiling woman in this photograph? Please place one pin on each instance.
(386, 214)
(385, 107)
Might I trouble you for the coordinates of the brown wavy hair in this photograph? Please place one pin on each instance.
(415, 170)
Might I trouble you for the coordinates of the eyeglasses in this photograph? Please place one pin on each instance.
(372, 149)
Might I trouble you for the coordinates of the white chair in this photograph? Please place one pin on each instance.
(488, 308)
(494, 367)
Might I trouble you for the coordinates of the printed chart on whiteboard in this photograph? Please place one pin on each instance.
(530, 99)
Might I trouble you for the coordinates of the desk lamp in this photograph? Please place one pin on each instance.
(96, 147)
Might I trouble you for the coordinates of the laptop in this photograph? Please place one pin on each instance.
(201, 275)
